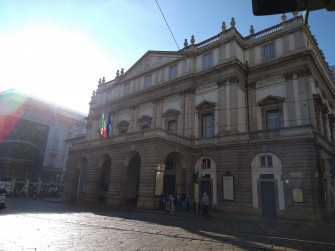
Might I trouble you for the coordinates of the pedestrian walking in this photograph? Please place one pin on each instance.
(205, 204)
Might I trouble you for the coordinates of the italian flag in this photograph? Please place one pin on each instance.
(102, 126)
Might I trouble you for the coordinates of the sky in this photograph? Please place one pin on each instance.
(57, 49)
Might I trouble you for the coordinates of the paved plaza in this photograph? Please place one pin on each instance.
(44, 225)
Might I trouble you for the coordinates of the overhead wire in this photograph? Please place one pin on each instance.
(217, 124)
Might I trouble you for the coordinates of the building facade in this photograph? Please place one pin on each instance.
(253, 116)
(32, 141)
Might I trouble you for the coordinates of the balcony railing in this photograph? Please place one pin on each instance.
(267, 32)
(259, 135)
(209, 41)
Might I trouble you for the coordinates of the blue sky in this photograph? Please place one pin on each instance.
(57, 50)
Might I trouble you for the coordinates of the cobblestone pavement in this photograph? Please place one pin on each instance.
(44, 225)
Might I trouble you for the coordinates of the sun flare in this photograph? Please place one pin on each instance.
(52, 64)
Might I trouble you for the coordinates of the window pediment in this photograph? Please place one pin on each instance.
(144, 118)
(123, 123)
(205, 105)
(271, 100)
(170, 113)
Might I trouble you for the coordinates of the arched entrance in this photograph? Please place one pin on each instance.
(132, 179)
(267, 185)
(174, 174)
(206, 167)
(80, 179)
(104, 172)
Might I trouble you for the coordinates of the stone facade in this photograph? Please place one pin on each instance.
(254, 116)
(32, 135)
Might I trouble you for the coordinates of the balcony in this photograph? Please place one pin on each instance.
(297, 132)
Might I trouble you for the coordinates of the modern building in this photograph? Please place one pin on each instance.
(32, 141)
(253, 116)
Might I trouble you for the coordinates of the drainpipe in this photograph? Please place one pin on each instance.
(247, 94)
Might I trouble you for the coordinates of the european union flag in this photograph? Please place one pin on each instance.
(109, 123)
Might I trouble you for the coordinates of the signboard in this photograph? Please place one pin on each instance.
(298, 195)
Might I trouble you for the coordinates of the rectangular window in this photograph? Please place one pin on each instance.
(172, 126)
(205, 164)
(269, 52)
(148, 81)
(127, 89)
(208, 60)
(266, 161)
(173, 72)
(145, 127)
(109, 96)
(207, 125)
(273, 122)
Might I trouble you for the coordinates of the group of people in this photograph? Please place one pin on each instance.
(22, 194)
(172, 201)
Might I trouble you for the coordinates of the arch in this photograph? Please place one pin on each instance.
(209, 175)
(103, 177)
(174, 173)
(129, 156)
(131, 178)
(270, 172)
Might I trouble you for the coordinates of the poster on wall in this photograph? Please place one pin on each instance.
(159, 183)
(298, 195)
(228, 187)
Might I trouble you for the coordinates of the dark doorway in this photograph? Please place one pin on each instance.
(104, 181)
(169, 183)
(268, 199)
(133, 181)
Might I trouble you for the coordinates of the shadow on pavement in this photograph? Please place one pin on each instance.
(245, 232)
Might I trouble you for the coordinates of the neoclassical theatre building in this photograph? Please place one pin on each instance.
(254, 116)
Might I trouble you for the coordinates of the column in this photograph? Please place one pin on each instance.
(154, 113)
(221, 107)
(228, 107)
(26, 186)
(234, 105)
(296, 99)
(132, 119)
(159, 120)
(182, 115)
(136, 115)
(115, 121)
(191, 113)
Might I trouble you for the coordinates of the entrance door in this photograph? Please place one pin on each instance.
(169, 183)
(268, 199)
